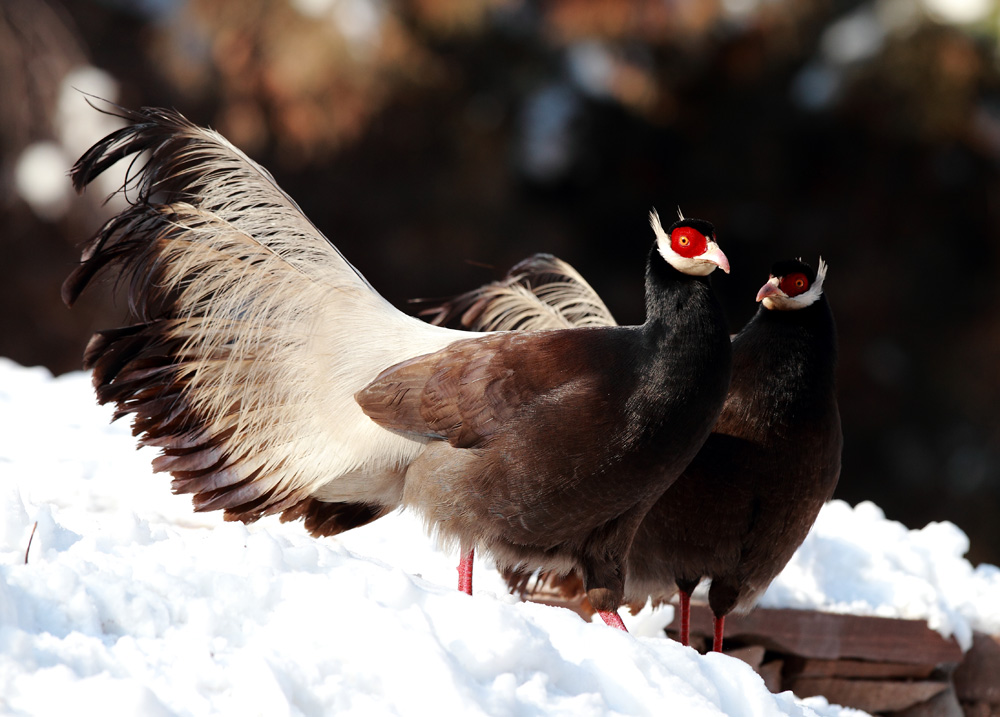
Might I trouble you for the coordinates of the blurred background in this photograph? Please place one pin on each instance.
(437, 142)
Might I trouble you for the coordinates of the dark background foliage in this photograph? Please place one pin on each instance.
(437, 142)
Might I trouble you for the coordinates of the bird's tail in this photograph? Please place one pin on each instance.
(253, 332)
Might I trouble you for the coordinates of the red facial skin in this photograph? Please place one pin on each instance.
(688, 242)
(794, 284)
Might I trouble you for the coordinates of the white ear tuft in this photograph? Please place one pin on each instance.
(815, 291)
(821, 273)
(808, 298)
(654, 221)
(680, 214)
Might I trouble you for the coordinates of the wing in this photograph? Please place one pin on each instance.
(471, 390)
(541, 292)
(253, 331)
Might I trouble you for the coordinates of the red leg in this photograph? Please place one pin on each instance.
(465, 572)
(612, 619)
(685, 618)
(720, 621)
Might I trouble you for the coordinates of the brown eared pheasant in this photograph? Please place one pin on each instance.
(274, 379)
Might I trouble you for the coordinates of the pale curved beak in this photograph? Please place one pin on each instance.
(714, 255)
(770, 289)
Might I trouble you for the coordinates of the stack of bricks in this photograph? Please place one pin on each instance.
(886, 667)
(897, 668)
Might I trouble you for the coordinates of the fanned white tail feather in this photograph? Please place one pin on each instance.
(258, 325)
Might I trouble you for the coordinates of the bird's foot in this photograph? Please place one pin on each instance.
(612, 619)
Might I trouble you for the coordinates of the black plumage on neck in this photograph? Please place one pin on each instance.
(787, 356)
(669, 290)
(683, 367)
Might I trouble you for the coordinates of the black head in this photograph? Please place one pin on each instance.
(700, 225)
(793, 284)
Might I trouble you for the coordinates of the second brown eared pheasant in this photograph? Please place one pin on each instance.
(750, 496)
(276, 380)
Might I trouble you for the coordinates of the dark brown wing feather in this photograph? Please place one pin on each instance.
(468, 391)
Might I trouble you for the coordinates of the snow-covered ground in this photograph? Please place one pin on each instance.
(131, 604)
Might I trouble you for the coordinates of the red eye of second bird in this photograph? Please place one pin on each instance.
(794, 284)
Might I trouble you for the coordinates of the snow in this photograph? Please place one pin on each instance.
(132, 604)
(855, 561)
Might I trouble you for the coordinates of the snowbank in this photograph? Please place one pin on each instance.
(131, 603)
(855, 561)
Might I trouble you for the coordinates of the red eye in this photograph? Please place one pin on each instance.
(688, 242)
(794, 284)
